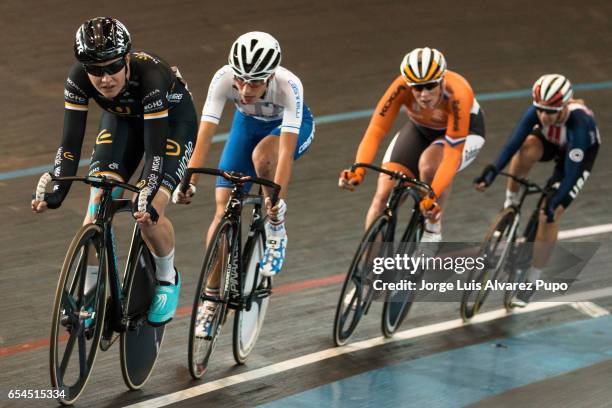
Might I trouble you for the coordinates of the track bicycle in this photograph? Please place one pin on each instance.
(357, 292)
(84, 321)
(236, 268)
(507, 252)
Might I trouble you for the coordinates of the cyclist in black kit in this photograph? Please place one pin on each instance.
(147, 109)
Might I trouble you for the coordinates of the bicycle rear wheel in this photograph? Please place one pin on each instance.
(495, 249)
(78, 315)
(248, 322)
(215, 268)
(398, 303)
(140, 343)
(357, 293)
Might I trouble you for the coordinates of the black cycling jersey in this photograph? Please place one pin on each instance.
(152, 91)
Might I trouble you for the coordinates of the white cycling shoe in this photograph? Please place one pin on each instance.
(274, 254)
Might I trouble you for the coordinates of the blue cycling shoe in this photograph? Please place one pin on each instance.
(165, 302)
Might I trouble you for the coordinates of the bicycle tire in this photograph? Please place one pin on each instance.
(394, 312)
(198, 360)
(140, 343)
(522, 258)
(356, 281)
(79, 326)
(248, 322)
(499, 232)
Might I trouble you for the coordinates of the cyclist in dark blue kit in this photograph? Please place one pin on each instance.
(555, 127)
(148, 110)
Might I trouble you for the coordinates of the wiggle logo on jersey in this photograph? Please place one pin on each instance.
(104, 137)
(58, 157)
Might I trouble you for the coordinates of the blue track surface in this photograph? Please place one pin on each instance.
(467, 375)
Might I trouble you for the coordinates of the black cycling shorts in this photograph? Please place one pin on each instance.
(410, 142)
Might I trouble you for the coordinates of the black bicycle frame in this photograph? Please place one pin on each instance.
(107, 209)
(235, 273)
(395, 198)
(532, 224)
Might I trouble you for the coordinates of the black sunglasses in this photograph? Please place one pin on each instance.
(548, 111)
(429, 86)
(100, 70)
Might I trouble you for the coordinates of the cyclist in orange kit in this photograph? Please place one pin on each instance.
(443, 135)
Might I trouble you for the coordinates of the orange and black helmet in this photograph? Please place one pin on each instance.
(423, 66)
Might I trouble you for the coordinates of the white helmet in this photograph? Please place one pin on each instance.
(255, 55)
(551, 91)
(422, 66)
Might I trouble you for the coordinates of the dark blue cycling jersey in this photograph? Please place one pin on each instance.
(573, 138)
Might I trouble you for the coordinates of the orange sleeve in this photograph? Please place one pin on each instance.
(460, 105)
(451, 159)
(385, 113)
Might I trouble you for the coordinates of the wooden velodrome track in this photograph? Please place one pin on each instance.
(346, 53)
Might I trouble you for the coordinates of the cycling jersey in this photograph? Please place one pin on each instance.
(576, 139)
(283, 99)
(151, 94)
(450, 116)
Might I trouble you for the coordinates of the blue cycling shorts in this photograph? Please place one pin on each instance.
(247, 132)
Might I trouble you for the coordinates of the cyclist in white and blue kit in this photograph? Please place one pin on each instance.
(272, 127)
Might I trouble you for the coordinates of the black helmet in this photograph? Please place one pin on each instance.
(101, 39)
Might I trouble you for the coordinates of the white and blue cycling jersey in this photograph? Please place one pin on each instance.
(283, 100)
(280, 109)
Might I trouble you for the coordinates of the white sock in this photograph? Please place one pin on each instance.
(511, 198)
(164, 267)
(91, 278)
(434, 228)
(276, 226)
(533, 274)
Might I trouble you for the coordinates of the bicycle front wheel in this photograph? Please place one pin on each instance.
(521, 259)
(248, 322)
(357, 293)
(214, 269)
(78, 314)
(495, 249)
(140, 343)
(398, 303)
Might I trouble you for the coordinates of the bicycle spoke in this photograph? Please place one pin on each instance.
(68, 351)
(82, 354)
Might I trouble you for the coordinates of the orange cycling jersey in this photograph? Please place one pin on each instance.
(452, 113)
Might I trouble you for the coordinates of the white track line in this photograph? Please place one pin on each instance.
(590, 309)
(570, 300)
(586, 231)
